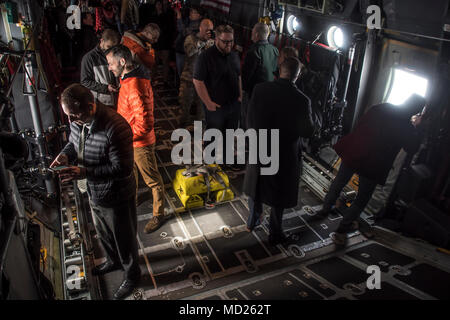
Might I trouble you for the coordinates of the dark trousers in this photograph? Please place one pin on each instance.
(275, 220)
(179, 60)
(244, 108)
(365, 191)
(225, 117)
(116, 229)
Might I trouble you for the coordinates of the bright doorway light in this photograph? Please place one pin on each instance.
(404, 85)
(335, 37)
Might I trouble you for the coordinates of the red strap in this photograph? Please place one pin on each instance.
(307, 54)
(98, 19)
(275, 41)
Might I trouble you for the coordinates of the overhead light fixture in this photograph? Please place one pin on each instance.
(293, 24)
(335, 37)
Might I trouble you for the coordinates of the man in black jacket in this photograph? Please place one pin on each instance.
(278, 105)
(101, 142)
(217, 81)
(370, 150)
(94, 70)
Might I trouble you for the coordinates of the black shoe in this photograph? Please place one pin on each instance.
(104, 268)
(321, 214)
(339, 239)
(125, 289)
(365, 228)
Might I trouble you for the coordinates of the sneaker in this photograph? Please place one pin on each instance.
(153, 224)
(339, 239)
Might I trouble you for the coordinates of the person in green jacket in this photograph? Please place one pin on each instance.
(260, 63)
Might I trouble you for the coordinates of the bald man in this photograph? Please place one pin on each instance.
(260, 63)
(193, 46)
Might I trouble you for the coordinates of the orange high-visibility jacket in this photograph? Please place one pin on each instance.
(138, 48)
(135, 104)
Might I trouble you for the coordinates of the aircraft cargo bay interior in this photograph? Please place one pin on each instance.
(224, 150)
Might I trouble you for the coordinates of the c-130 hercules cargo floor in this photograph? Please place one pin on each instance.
(208, 254)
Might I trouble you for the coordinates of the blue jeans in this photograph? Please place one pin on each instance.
(256, 210)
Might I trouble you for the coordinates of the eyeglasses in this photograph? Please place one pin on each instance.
(226, 42)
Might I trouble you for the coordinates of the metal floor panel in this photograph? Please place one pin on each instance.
(235, 295)
(428, 279)
(338, 272)
(376, 254)
(320, 287)
(208, 258)
(388, 292)
(226, 249)
(282, 287)
(173, 266)
(169, 230)
(214, 219)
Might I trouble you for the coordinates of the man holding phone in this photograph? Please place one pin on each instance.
(101, 143)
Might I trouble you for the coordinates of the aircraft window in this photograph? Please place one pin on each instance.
(335, 37)
(404, 84)
(293, 24)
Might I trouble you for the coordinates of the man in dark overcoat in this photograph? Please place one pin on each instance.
(282, 106)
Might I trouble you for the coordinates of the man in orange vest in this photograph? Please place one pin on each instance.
(135, 104)
(140, 44)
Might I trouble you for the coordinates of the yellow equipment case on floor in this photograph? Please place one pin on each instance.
(202, 185)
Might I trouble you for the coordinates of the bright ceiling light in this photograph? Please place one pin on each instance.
(293, 24)
(335, 37)
(404, 85)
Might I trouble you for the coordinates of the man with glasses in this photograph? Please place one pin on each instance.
(217, 80)
(100, 149)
